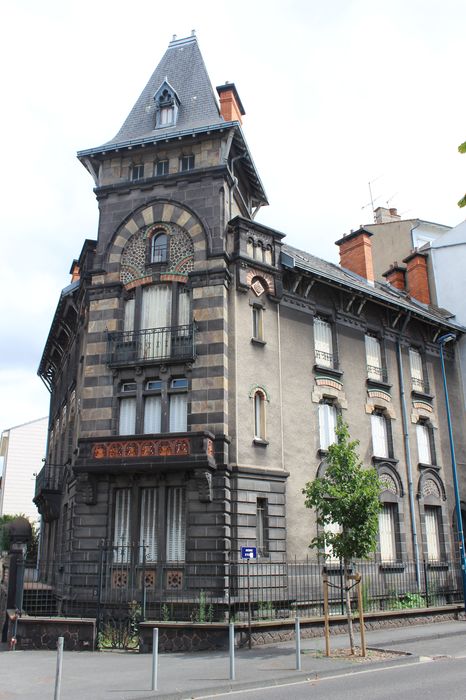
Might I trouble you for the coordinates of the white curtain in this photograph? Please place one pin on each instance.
(129, 315)
(178, 413)
(323, 342)
(387, 532)
(373, 357)
(379, 435)
(156, 314)
(327, 424)
(423, 443)
(127, 420)
(176, 524)
(121, 531)
(148, 528)
(432, 533)
(184, 307)
(153, 414)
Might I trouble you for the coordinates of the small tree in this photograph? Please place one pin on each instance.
(347, 494)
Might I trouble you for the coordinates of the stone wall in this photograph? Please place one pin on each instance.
(43, 632)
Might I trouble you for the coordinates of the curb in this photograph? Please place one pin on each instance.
(297, 677)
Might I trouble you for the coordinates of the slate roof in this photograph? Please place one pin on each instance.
(380, 291)
(183, 66)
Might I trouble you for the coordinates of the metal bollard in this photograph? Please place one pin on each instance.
(155, 656)
(231, 637)
(59, 669)
(297, 632)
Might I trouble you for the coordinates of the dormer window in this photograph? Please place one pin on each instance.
(166, 105)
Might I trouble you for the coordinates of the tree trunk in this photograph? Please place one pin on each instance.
(348, 605)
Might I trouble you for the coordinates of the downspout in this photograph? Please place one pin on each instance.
(408, 454)
(280, 384)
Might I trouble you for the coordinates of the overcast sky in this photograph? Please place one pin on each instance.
(337, 94)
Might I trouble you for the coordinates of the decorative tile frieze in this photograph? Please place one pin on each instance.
(379, 394)
(141, 448)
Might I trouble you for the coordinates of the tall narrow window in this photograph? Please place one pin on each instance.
(128, 324)
(176, 524)
(121, 530)
(380, 446)
(417, 370)
(259, 416)
(423, 443)
(327, 424)
(387, 532)
(261, 527)
(186, 163)
(153, 414)
(156, 321)
(148, 525)
(161, 167)
(374, 358)
(257, 323)
(159, 248)
(432, 532)
(178, 413)
(127, 418)
(323, 343)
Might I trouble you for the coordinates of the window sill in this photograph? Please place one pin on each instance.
(384, 460)
(389, 566)
(258, 341)
(322, 452)
(260, 442)
(437, 565)
(415, 393)
(377, 383)
(423, 465)
(331, 371)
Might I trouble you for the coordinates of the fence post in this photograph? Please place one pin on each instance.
(426, 583)
(362, 630)
(326, 620)
(143, 583)
(58, 669)
(155, 654)
(342, 588)
(231, 646)
(297, 634)
(99, 592)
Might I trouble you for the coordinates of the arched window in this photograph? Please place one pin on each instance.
(259, 415)
(159, 248)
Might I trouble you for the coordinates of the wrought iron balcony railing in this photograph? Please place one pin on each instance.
(49, 478)
(420, 385)
(325, 359)
(377, 374)
(151, 345)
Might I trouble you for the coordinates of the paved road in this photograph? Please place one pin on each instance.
(29, 675)
(431, 680)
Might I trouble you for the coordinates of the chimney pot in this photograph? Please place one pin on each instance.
(417, 276)
(356, 253)
(231, 107)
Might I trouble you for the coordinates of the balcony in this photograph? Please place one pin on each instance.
(377, 374)
(420, 386)
(47, 495)
(173, 343)
(146, 453)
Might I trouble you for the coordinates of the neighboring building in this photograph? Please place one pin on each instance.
(23, 450)
(197, 363)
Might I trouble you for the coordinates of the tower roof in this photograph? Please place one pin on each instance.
(182, 66)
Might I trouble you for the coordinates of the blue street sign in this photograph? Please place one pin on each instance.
(248, 553)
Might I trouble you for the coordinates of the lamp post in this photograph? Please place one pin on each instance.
(442, 341)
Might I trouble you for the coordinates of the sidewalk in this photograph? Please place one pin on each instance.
(30, 675)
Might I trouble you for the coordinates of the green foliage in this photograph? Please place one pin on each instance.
(165, 613)
(265, 610)
(347, 494)
(408, 601)
(31, 553)
(204, 613)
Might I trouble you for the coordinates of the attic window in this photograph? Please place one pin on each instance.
(166, 106)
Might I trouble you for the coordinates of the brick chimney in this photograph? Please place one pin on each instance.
(395, 275)
(385, 216)
(75, 272)
(231, 107)
(417, 278)
(356, 253)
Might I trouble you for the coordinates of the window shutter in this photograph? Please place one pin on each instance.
(379, 435)
(373, 357)
(127, 422)
(323, 342)
(423, 443)
(121, 532)
(148, 528)
(153, 414)
(176, 524)
(432, 533)
(327, 424)
(387, 532)
(129, 315)
(178, 413)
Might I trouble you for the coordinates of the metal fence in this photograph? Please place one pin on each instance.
(131, 585)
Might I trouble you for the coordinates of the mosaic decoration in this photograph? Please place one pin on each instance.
(430, 488)
(150, 576)
(174, 580)
(388, 483)
(130, 449)
(180, 253)
(119, 579)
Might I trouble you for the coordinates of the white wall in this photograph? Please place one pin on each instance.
(25, 449)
